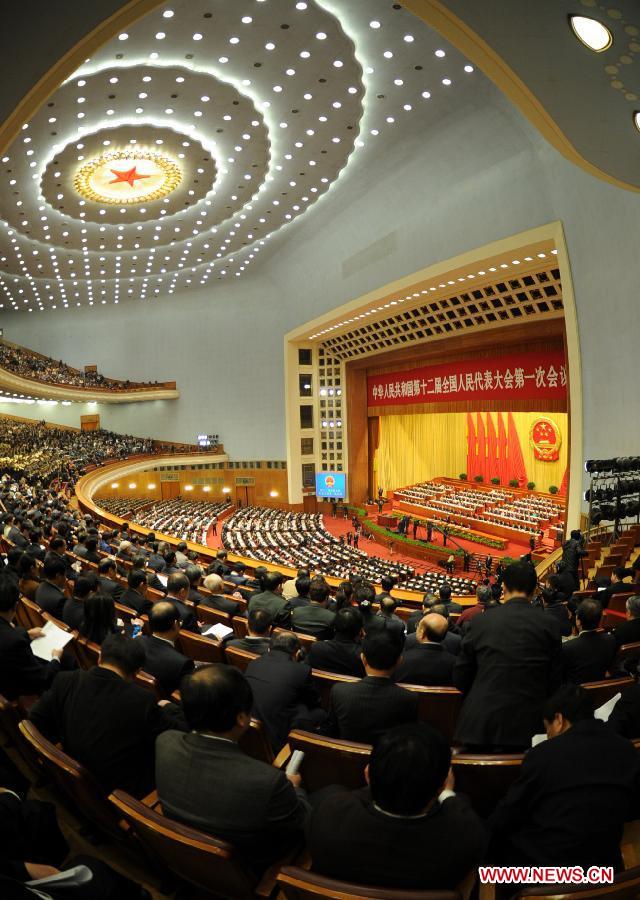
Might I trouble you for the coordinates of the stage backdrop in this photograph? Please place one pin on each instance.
(419, 447)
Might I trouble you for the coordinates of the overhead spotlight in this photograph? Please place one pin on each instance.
(591, 33)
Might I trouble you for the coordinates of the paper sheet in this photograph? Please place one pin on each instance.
(53, 639)
(218, 631)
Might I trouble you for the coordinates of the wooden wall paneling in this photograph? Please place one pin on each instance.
(358, 471)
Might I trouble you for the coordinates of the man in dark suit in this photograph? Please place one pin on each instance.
(625, 717)
(156, 560)
(135, 596)
(387, 619)
(315, 618)
(271, 599)
(452, 639)
(50, 595)
(509, 663)
(259, 634)
(588, 656)
(342, 654)
(387, 583)
(216, 600)
(107, 575)
(629, 632)
(106, 722)
(284, 696)
(618, 585)
(445, 593)
(21, 672)
(19, 534)
(73, 610)
(163, 661)
(301, 596)
(178, 594)
(205, 780)
(399, 831)
(428, 663)
(194, 574)
(573, 795)
(364, 710)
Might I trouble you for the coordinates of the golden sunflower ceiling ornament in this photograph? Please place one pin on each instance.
(127, 177)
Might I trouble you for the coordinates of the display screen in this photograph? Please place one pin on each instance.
(331, 484)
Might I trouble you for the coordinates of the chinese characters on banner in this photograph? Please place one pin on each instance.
(528, 376)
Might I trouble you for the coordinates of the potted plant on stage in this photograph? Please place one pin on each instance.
(553, 489)
(495, 481)
(479, 478)
(531, 485)
(513, 482)
(462, 476)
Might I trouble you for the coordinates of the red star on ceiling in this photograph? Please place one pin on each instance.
(130, 176)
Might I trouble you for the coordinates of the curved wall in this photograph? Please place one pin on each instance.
(481, 175)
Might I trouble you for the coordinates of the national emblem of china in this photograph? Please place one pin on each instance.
(545, 438)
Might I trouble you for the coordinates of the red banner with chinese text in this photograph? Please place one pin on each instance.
(523, 376)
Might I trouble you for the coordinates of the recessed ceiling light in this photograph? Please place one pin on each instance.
(446, 82)
(374, 24)
(321, 36)
(591, 33)
(197, 36)
(123, 36)
(468, 68)
(168, 14)
(247, 20)
(440, 54)
(160, 35)
(409, 38)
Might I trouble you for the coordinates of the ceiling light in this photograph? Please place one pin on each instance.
(160, 36)
(247, 20)
(426, 95)
(374, 24)
(197, 36)
(468, 68)
(591, 33)
(409, 38)
(636, 120)
(168, 14)
(388, 54)
(440, 53)
(446, 82)
(123, 36)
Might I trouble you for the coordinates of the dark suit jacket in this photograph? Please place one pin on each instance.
(257, 645)
(108, 724)
(313, 619)
(275, 605)
(364, 710)
(625, 718)
(188, 617)
(50, 599)
(338, 655)
(428, 664)
(73, 613)
(217, 601)
(620, 587)
(627, 632)
(393, 624)
(570, 800)
(212, 785)
(20, 671)
(588, 656)
(451, 642)
(509, 663)
(135, 600)
(283, 692)
(16, 537)
(111, 587)
(165, 663)
(351, 840)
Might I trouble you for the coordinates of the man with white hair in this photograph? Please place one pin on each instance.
(629, 632)
(216, 600)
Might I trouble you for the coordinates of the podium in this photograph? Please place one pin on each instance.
(387, 521)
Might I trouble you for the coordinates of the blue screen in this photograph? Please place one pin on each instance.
(331, 484)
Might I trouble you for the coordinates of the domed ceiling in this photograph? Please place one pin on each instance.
(172, 156)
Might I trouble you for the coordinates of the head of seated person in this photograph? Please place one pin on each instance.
(519, 580)
(259, 623)
(107, 569)
(53, 570)
(387, 583)
(589, 615)
(217, 700)
(364, 595)
(99, 618)
(569, 705)
(319, 591)
(178, 586)
(381, 652)
(194, 575)
(303, 584)
(122, 655)
(288, 644)
(84, 588)
(271, 582)
(164, 620)
(432, 629)
(348, 624)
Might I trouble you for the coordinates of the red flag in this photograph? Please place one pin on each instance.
(563, 486)
(517, 468)
(482, 449)
(503, 463)
(493, 470)
(471, 448)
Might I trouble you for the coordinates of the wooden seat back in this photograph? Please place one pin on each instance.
(211, 616)
(240, 626)
(626, 886)
(329, 760)
(87, 652)
(199, 648)
(604, 690)
(485, 778)
(299, 884)
(324, 681)
(239, 658)
(438, 707)
(22, 614)
(626, 652)
(306, 640)
(255, 743)
(73, 781)
(198, 858)
(33, 613)
(149, 683)
(618, 601)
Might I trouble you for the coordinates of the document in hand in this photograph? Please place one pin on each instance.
(52, 639)
(218, 631)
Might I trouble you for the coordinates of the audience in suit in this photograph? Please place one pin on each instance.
(574, 792)
(167, 665)
(362, 711)
(28, 581)
(135, 596)
(364, 597)
(21, 672)
(452, 639)
(216, 600)
(258, 638)
(271, 599)
(588, 656)
(629, 632)
(99, 618)
(341, 654)
(205, 780)
(178, 594)
(50, 595)
(315, 618)
(618, 585)
(428, 663)
(106, 722)
(483, 597)
(300, 596)
(73, 610)
(445, 593)
(509, 664)
(625, 717)
(284, 696)
(408, 829)
(107, 576)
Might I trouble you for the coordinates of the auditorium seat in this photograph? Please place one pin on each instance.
(626, 886)
(33, 613)
(485, 778)
(305, 639)
(329, 760)
(254, 742)
(438, 706)
(209, 864)
(625, 652)
(199, 648)
(604, 690)
(211, 616)
(324, 681)
(73, 782)
(299, 884)
(239, 658)
(240, 626)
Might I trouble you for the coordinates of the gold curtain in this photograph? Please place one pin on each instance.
(418, 447)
